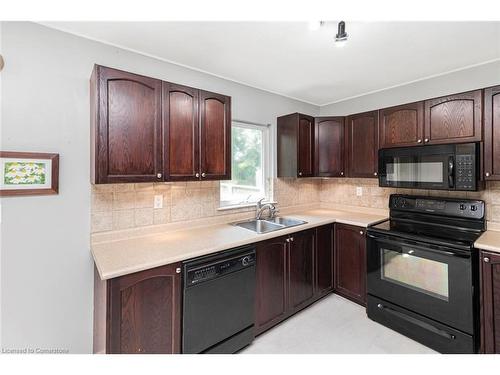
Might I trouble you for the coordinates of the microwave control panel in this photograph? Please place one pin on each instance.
(465, 174)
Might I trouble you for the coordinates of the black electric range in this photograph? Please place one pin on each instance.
(423, 272)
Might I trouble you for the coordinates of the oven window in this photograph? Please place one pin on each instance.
(399, 171)
(420, 274)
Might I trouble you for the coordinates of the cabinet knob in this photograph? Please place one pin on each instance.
(197, 175)
(203, 174)
(158, 175)
(341, 173)
(177, 270)
(291, 239)
(426, 140)
(419, 141)
(487, 174)
(375, 174)
(287, 240)
(486, 260)
(300, 173)
(361, 232)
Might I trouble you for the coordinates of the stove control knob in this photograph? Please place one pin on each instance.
(245, 261)
(462, 207)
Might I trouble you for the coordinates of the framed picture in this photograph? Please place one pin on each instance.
(28, 173)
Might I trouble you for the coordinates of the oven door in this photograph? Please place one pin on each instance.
(428, 167)
(430, 280)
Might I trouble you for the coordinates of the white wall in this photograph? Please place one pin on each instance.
(46, 265)
(460, 81)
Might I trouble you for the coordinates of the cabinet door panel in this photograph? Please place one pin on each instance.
(181, 122)
(301, 269)
(128, 132)
(271, 299)
(362, 148)
(329, 155)
(454, 118)
(492, 133)
(306, 146)
(324, 259)
(145, 311)
(350, 262)
(490, 302)
(402, 125)
(215, 142)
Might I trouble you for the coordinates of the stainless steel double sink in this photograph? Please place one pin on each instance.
(260, 226)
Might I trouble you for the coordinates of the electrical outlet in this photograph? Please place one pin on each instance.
(359, 191)
(158, 203)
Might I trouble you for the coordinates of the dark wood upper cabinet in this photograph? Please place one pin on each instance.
(454, 118)
(329, 147)
(362, 144)
(324, 259)
(402, 125)
(139, 313)
(490, 302)
(301, 269)
(181, 124)
(350, 262)
(215, 136)
(492, 133)
(295, 145)
(144, 129)
(126, 127)
(271, 276)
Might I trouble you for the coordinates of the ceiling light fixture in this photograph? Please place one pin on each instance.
(341, 37)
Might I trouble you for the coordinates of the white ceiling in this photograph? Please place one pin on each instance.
(290, 59)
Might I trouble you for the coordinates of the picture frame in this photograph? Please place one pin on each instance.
(28, 173)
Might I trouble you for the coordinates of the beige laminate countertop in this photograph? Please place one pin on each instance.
(121, 257)
(489, 240)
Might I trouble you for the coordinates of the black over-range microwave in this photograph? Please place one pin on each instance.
(440, 167)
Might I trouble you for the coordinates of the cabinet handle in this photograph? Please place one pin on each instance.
(487, 174)
(419, 141)
(287, 240)
(361, 232)
(375, 174)
(426, 140)
(341, 173)
(197, 175)
(486, 260)
(177, 270)
(203, 174)
(291, 239)
(158, 175)
(300, 173)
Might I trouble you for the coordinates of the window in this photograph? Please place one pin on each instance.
(249, 165)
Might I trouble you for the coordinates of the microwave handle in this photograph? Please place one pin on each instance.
(451, 172)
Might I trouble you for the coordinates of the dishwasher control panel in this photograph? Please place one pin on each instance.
(216, 269)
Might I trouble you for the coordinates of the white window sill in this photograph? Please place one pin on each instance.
(242, 205)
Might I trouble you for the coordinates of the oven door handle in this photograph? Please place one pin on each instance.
(451, 172)
(417, 322)
(443, 251)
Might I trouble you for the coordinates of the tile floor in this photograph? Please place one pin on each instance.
(333, 325)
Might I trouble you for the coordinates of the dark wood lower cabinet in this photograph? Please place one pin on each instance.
(350, 262)
(324, 259)
(490, 302)
(139, 313)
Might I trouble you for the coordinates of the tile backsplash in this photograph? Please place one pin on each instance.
(124, 206)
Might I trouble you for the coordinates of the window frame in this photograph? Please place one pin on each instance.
(266, 161)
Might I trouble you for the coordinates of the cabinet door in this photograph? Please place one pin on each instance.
(492, 133)
(362, 144)
(454, 118)
(350, 262)
(145, 312)
(127, 134)
(301, 269)
(402, 125)
(324, 259)
(270, 294)
(181, 124)
(490, 302)
(215, 141)
(329, 153)
(305, 146)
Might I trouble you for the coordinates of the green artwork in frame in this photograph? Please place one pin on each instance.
(24, 173)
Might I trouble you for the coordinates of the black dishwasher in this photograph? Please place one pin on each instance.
(218, 302)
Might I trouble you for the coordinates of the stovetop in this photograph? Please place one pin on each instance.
(431, 233)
